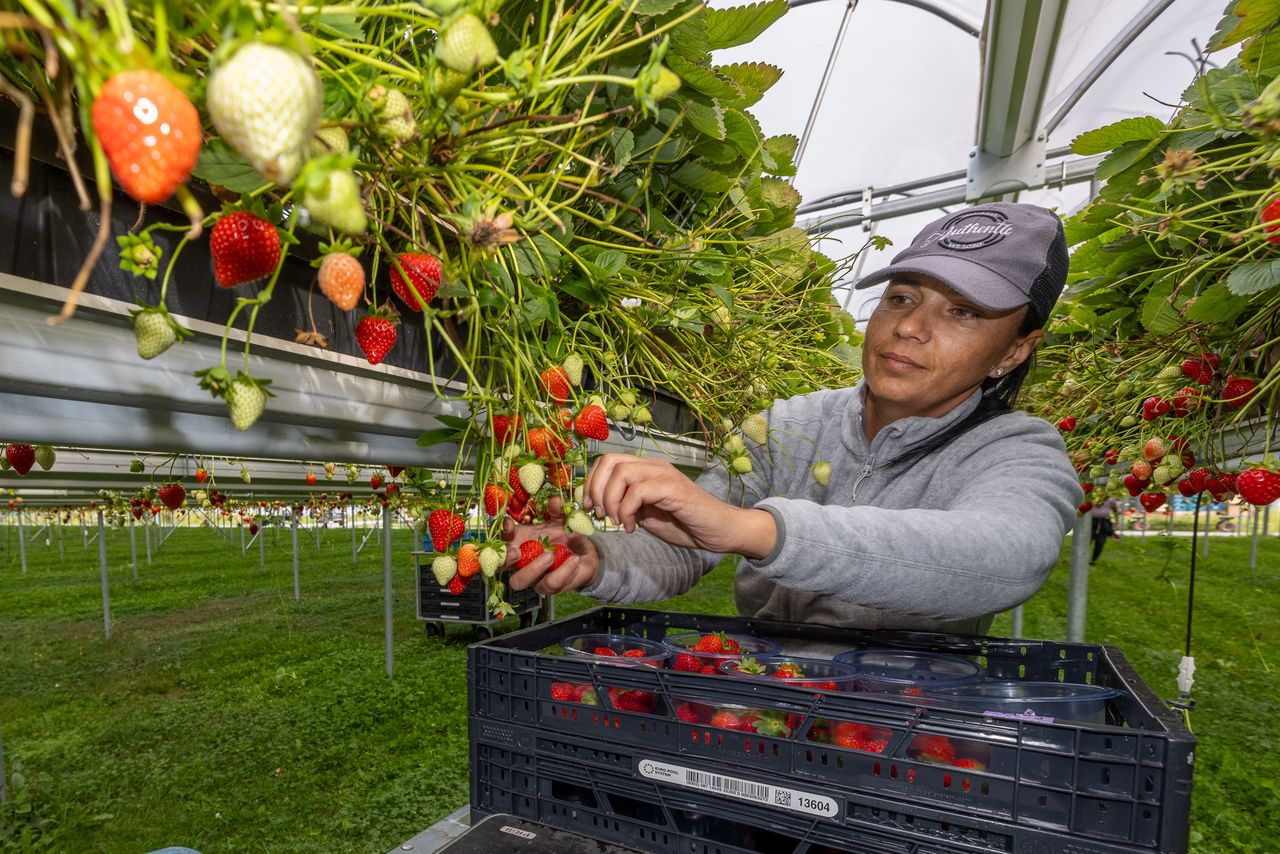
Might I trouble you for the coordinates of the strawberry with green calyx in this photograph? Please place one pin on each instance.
(492, 556)
(246, 400)
(592, 423)
(788, 670)
(173, 495)
(331, 195)
(752, 666)
(202, 474)
(444, 568)
(445, 527)
(466, 45)
(149, 131)
(555, 382)
(579, 522)
(245, 248)
(640, 415)
(45, 457)
(531, 476)
(375, 481)
(416, 277)
(770, 722)
(155, 330)
(341, 279)
(1258, 486)
(392, 113)
(376, 333)
(530, 550)
(265, 101)
(139, 254)
(468, 560)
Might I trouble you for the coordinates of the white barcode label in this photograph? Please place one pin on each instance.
(745, 790)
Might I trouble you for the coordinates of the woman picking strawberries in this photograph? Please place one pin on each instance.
(944, 505)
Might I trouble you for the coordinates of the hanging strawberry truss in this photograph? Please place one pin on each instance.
(573, 200)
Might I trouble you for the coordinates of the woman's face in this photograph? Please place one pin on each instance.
(927, 347)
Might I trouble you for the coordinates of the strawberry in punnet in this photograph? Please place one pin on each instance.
(1154, 407)
(468, 560)
(375, 482)
(445, 527)
(1066, 425)
(45, 456)
(245, 248)
(246, 401)
(506, 428)
(934, 748)
(1270, 219)
(555, 383)
(1152, 501)
(855, 736)
(172, 495)
(687, 663)
(21, 456)
(532, 476)
(607, 652)
(444, 568)
(755, 428)
(495, 499)
(726, 719)
(376, 335)
(265, 101)
(491, 558)
(415, 277)
(466, 45)
(1239, 391)
(149, 131)
(530, 550)
(969, 764)
(592, 423)
(1258, 486)
(341, 279)
(564, 692)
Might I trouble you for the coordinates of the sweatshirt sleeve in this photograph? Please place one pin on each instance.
(988, 548)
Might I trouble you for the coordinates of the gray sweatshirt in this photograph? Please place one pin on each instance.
(941, 544)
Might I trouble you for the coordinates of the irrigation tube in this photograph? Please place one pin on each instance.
(102, 565)
(386, 588)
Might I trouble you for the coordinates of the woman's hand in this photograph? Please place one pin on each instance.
(639, 492)
(575, 573)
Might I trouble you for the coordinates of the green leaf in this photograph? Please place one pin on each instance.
(1158, 316)
(741, 24)
(1222, 92)
(536, 309)
(218, 164)
(584, 290)
(1244, 18)
(1216, 305)
(698, 177)
(1122, 158)
(654, 7)
(740, 128)
(611, 261)
(778, 193)
(708, 119)
(1262, 55)
(703, 79)
(1112, 136)
(341, 26)
(454, 421)
(538, 256)
(624, 143)
(689, 38)
(438, 436)
(753, 79)
(1254, 277)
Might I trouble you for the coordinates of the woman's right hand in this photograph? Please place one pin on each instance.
(575, 573)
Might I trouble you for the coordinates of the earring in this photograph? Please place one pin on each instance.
(999, 372)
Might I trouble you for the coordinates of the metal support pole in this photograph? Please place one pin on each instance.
(242, 549)
(133, 547)
(262, 549)
(353, 534)
(1078, 589)
(146, 536)
(297, 590)
(1253, 547)
(1017, 621)
(1266, 521)
(84, 533)
(22, 542)
(102, 566)
(1204, 541)
(61, 554)
(386, 590)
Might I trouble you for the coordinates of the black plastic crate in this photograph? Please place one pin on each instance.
(469, 606)
(1123, 785)
(510, 834)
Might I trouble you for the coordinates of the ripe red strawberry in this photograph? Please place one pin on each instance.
(564, 692)
(1084, 507)
(457, 584)
(311, 478)
(605, 651)
(172, 494)
(202, 474)
(592, 423)
(561, 553)
(506, 428)
(709, 643)
(1200, 369)
(423, 272)
(1258, 486)
(1187, 488)
(633, 653)
(376, 335)
(1185, 401)
(21, 456)
(245, 248)
(855, 736)
(1217, 486)
(445, 528)
(1199, 480)
(726, 719)
(530, 550)
(468, 560)
(686, 662)
(1154, 407)
(341, 279)
(375, 481)
(1066, 425)
(1270, 220)
(934, 748)
(545, 445)
(1152, 501)
(584, 693)
(969, 764)
(495, 498)
(1229, 481)
(393, 489)
(149, 131)
(394, 471)
(688, 713)
(1134, 484)
(1188, 459)
(559, 474)
(1112, 456)
(1239, 391)
(555, 382)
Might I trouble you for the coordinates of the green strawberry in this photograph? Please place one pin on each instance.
(245, 475)
(154, 332)
(394, 113)
(246, 399)
(573, 368)
(640, 415)
(492, 556)
(330, 140)
(733, 444)
(821, 471)
(532, 475)
(444, 568)
(741, 465)
(466, 45)
(580, 523)
(337, 203)
(755, 428)
(666, 85)
(265, 101)
(619, 412)
(45, 456)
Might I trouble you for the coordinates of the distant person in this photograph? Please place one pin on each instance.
(1103, 527)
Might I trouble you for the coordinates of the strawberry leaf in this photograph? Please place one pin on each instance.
(740, 24)
(1254, 277)
(1112, 136)
(219, 165)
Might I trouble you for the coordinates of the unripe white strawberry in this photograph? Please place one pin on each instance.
(466, 45)
(733, 444)
(573, 368)
(45, 456)
(330, 140)
(741, 465)
(580, 523)
(444, 568)
(153, 332)
(532, 476)
(492, 556)
(265, 101)
(338, 203)
(245, 402)
(394, 112)
(821, 471)
(619, 412)
(755, 428)
(640, 415)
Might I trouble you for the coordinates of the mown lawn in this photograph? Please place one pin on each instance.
(224, 716)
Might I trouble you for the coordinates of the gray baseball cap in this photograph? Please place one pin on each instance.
(1000, 255)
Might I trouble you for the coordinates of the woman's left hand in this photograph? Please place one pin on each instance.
(639, 492)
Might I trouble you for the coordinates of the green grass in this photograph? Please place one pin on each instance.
(224, 716)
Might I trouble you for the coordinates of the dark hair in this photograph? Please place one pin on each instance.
(999, 396)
